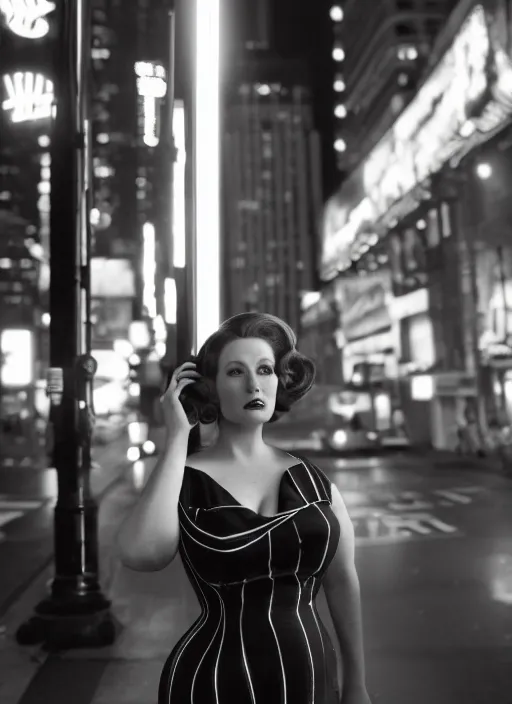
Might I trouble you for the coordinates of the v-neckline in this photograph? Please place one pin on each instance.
(285, 474)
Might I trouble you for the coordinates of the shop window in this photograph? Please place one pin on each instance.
(421, 341)
(395, 259)
(446, 223)
(414, 255)
(405, 30)
(433, 234)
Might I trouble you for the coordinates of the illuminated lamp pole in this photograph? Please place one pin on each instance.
(75, 613)
(206, 120)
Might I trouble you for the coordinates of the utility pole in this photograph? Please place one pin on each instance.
(75, 613)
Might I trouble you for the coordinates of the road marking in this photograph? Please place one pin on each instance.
(412, 506)
(454, 496)
(20, 505)
(374, 528)
(8, 516)
(12, 510)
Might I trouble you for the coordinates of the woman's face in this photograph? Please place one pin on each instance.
(246, 371)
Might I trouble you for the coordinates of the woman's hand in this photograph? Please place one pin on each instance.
(174, 414)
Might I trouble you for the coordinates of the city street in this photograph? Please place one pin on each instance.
(434, 559)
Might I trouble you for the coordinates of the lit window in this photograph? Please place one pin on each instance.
(336, 13)
(338, 54)
(407, 53)
(263, 89)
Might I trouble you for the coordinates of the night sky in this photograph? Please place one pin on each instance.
(298, 29)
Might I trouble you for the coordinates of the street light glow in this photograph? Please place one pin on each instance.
(484, 171)
(207, 166)
(336, 13)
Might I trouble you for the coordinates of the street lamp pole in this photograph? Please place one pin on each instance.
(75, 613)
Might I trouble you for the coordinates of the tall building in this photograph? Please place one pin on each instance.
(272, 191)
(381, 51)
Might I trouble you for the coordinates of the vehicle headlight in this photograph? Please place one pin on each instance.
(339, 438)
(149, 447)
(133, 454)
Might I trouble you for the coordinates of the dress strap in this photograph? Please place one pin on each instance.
(320, 482)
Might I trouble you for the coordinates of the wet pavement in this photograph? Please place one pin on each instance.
(434, 556)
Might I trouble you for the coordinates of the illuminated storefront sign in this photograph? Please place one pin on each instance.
(17, 354)
(467, 96)
(151, 87)
(340, 228)
(29, 96)
(149, 269)
(365, 305)
(27, 18)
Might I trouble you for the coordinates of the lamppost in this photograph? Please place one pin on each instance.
(75, 613)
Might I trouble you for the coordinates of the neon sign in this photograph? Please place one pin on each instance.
(27, 18)
(151, 87)
(448, 116)
(29, 97)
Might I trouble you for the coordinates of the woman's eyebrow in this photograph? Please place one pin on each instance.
(236, 361)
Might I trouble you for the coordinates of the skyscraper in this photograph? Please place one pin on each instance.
(272, 193)
(382, 51)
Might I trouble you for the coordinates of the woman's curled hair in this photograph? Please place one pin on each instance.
(295, 372)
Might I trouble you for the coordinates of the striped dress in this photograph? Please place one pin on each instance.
(259, 638)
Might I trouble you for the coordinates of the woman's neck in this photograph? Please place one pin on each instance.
(241, 444)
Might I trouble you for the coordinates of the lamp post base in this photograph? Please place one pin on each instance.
(65, 626)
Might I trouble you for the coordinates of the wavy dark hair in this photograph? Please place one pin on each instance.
(295, 372)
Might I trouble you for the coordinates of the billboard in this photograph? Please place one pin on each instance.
(112, 278)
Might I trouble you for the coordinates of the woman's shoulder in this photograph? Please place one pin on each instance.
(318, 476)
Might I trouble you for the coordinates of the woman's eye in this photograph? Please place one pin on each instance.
(269, 370)
(233, 371)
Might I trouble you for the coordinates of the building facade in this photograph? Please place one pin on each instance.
(385, 47)
(272, 169)
(272, 198)
(427, 210)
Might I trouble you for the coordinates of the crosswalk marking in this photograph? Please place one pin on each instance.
(12, 509)
(19, 505)
(8, 516)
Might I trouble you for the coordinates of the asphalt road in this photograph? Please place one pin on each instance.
(434, 559)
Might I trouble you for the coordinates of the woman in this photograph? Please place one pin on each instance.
(258, 530)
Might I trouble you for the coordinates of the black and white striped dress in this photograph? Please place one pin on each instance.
(259, 638)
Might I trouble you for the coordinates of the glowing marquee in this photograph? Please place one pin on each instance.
(449, 113)
(151, 86)
(29, 96)
(27, 18)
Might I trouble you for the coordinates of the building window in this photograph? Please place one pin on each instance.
(405, 30)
